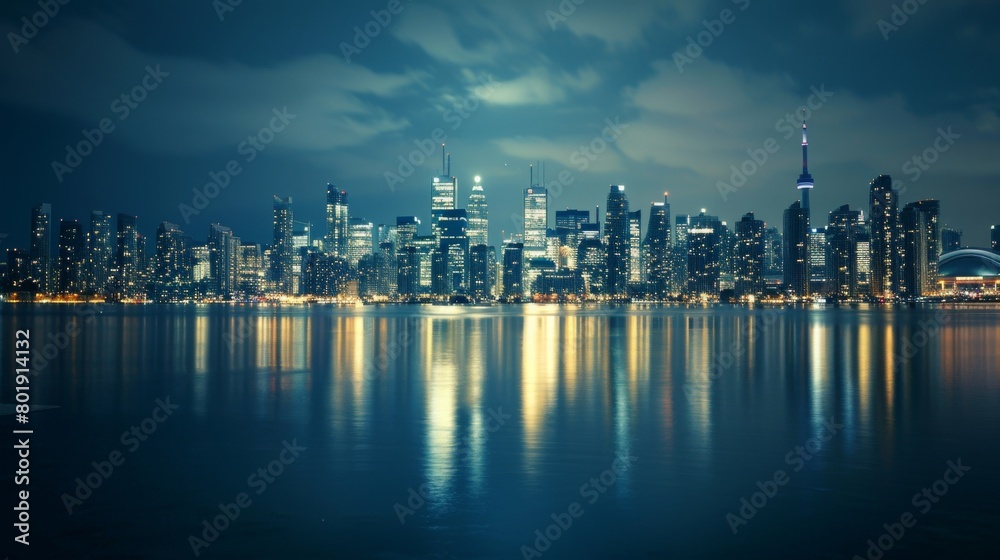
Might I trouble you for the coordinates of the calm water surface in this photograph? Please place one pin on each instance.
(501, 417)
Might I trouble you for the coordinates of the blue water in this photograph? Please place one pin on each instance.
(640, 429)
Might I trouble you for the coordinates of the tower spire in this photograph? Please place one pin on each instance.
(805, 182)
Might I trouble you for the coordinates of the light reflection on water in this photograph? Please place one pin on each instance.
(389, 398)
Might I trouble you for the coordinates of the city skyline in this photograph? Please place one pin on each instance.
(610, 102)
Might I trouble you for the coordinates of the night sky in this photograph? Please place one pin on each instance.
(556, 82)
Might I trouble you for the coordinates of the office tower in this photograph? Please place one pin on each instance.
(127, 268)
(386, 271)
(635, 247)
(679, 254)
(864, 262)
(18, 271)
(773, 246)
(407, 228)
(201, 266)
(817, 260)
(445, 192)
(223, 258)
(884, 234)
(325, 275)
(704, 257)
(337, 216)
(920, 248)
(302, 246)
(100, 252)
(572, 219)
(727, 251)
(513, 271)
(41, 247)
(657, 250)
(479, 273)
(617, 241)
(749, 257)
(250, 271)
(453, 227)
(591, 261)
(951, 239)
(805, 183)
(796, 250)
(282, 247)
(408, 272)
(479, 215)
(70, 257)
(995, 238)
(536, 221)
(842, 236)
(359, 240)
(172, 265)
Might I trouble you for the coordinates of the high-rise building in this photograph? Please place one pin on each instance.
(445, 192)
(572, 219)
(283, 249)
(479, 273)
(679, 254)
(635, 247)
(408, 272)
(172, 265)
(773, 248)
(951, 239)
(796, 250)
(18, 270)
(920, 248)
(250, 271)
(41, 248)
(337, 222)
(453, 227)
(513, 271)
(223, 258)
(407, 228)
(128, 259)
(359, 240)
(479, 215)
(617, 242)
(842, 236)
(100, 252)
(592, 261)
(749, 257)
(70, 257)
(704, 256)
(995, 237)
(657, 250)
(536, 221)
(883, 207)
(817, 260)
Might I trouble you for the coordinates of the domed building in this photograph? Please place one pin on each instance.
(969, 270)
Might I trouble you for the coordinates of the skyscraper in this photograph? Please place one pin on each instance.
(336, 240)
(282, 247)
(172, 266)
(657, 250)
(884, 237)
(479, 215)
(749, 257)
(479, 273)
(796, 250)
(128, 260)
(921, 248)
(704, 255)
(617, 242)
(41, 248)
(70, 257)
(635, 247)
(842, 236)
(951, 239)
(453, 226)
(536, 221)
(223, 258)
(773, 251)
(679, 254)
(359, 241)
(995, 237)
(445, 192)
(817, 260)
(100, 252)
(513, 272)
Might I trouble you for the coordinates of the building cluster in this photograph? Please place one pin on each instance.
(892, 253)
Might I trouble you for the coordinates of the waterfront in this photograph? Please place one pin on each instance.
(498, 418)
